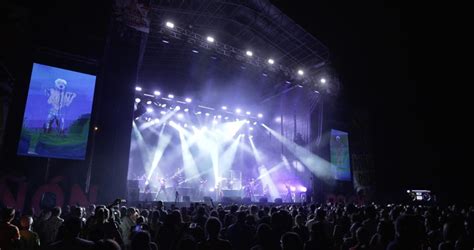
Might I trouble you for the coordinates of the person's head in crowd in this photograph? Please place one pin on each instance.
(370, 212)
(25, 222)
(123, 211)
(213, 227)
(234, 208)
(155, 217)
(386, 230)
(140, 220)
(362, 236)
(214, 214)
(187, 243)
(299, 220)
(253, 210)
(250, 220)
(241, 216)
(291, 241)
(132, 213)
(264, 234)
(353, 228)
(320, 214)
(107, 244)
(407, 229)
(8, 214)
(201, 211)
(76, 211)
(159, 205)
(176, 217)
(141, 241)
(56, 212)
(91, 210)
(452, 230)
(73, 227)
(145, 213)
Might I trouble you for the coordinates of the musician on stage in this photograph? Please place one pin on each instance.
(162, 188)
(289, 197)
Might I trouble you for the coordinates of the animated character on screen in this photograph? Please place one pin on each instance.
(58, 98)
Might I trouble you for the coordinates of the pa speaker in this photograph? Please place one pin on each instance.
(278, 201)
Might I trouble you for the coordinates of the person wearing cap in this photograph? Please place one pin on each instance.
(9, 234)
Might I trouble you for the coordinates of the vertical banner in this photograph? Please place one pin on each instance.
(340, 162)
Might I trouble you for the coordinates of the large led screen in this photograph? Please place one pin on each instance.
(57, 113)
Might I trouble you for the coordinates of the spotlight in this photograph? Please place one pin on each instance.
(303, 189)
(148, 102)
(198, 113)
(251, 128)
(248, 112)
(170, 25)
(177, 108)
(96, 128)
(226, 118)
(165, 41)
(157, 93)
(149, 110)
(210, 39)
(238, 111)
(137, 100)
(300, 72)
(250, 137)
(207, 114)
(322, 80)
(214, 122)
(189, 100)
(247, 121)
(171, 96)
(219, 116)
(254, 123)
(249, 53)
(195, 51)
(138, 88)
(185, 125)
(211, 189)
(186, 110)
(163, 105)
(270, 61)
(163, 112)
(157, 120)
(180, 116)
(293, 189)
(260, 115)
(224, 107)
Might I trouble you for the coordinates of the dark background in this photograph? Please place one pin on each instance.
(394, 63)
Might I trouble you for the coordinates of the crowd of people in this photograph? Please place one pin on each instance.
(239, 227)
